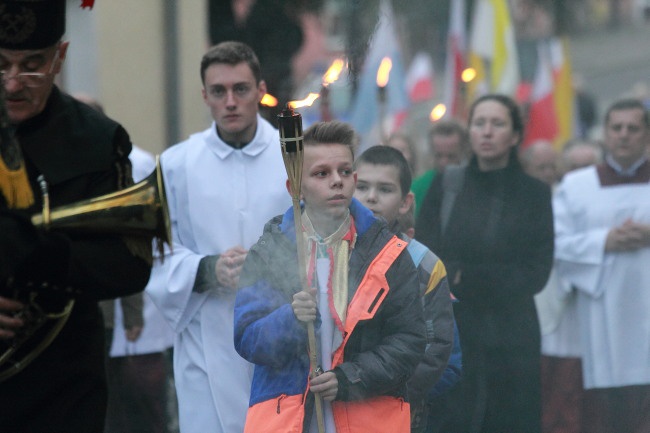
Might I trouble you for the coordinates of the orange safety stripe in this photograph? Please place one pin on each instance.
(371, 291)
(382, 414)
(283, 414)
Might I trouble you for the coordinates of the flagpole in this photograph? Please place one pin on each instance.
(290, 127)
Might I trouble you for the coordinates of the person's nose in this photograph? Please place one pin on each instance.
(371, 197)
(487, 129)
(625, 132)
(231, 100)
(337, 181)
(11, 81)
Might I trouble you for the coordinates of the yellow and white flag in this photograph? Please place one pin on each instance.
(563, 91)
(492, 52)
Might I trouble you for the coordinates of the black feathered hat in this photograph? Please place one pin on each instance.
(32, 24)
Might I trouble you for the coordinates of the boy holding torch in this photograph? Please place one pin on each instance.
(362, 294)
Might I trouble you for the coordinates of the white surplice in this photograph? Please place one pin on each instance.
(613, 287)
(558, 318)
(218, 198)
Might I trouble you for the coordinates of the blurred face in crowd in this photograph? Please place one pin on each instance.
(28, 78)
(580, 156)
(447, 150)
(626, 136)
(328, 182)
(491, 135)
(542, 163)
(233, 95)
(379, 190)
(400, 143)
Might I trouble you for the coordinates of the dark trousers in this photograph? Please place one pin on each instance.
(562, 395)
(617, 410)
(137, 394)
(498, 393)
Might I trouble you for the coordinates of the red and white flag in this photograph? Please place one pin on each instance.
(420, 78)
(542, 118)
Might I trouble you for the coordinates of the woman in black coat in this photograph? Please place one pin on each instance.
(492, 225)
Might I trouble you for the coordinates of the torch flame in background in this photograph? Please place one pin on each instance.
(468, 75)
(333, 72)
(304, 102)
(331, 75)
(384, 71)
(269, 100)
(437, 112)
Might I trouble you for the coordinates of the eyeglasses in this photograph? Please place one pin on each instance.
(31, 79)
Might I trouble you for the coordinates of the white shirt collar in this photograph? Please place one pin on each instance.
(265, 135)
(625, 172)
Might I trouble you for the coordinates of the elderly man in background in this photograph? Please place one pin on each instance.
(602, 223)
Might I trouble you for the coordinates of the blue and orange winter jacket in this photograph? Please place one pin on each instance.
(384, 336)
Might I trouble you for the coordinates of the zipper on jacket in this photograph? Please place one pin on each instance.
(280, 398)
(374, 302)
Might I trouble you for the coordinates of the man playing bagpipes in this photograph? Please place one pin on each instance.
(57, 150)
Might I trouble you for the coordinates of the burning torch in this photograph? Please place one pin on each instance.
(331, 75)
(383, 74)
(291, 140)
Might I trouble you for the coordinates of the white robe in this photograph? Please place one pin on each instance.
(558, 318)
(218, 198)
(613, 287)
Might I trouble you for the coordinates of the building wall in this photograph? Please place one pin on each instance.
(119, 54)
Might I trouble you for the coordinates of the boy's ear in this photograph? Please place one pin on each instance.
(288, 185)
(407, 202)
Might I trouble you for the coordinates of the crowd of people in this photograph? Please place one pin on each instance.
(503, 290)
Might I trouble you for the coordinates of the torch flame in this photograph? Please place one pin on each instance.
(437, 112)
(304, 102)
(333, 72)
(269, 100)
(468, 75)
(384, 71)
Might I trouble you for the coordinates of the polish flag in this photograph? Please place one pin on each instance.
(542, 119)
(420, 78)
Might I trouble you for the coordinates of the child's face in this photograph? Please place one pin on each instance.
(328, 181)
(379, 190)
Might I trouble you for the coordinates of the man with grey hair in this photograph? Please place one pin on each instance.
(540, 160)
(50, 281)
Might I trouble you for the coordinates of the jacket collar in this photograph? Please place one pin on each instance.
(363, 219)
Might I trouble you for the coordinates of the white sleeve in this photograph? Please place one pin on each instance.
(172, 279)
(579, 249)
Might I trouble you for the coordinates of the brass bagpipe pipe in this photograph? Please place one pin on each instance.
(139, 210)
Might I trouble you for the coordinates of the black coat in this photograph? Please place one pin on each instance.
(82, 154)
(498, 250)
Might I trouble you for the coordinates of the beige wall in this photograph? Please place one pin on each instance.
(117, 55)
(193, 43)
